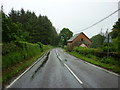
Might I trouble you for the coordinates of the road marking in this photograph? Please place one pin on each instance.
(70, 70)
(25, 71)
(102, 69)
(18, 78)
(95, 66)
(73, 74)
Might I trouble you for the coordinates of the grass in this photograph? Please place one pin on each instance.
(20, 67)
(98, 61)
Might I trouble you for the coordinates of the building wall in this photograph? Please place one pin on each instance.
(78, 41)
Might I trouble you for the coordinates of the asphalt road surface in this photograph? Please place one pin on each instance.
(57, 69)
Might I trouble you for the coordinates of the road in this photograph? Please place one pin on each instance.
(57, 69)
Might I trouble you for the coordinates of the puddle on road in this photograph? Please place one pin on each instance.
(43, 63)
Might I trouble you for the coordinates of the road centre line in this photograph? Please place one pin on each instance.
(73, 74)
(70, 70)
(96, 66)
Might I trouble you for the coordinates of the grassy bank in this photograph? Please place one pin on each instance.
(16, 61)
(108, 63)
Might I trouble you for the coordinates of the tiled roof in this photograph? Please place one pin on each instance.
(72, 38)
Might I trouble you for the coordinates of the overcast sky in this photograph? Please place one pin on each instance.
(73, 14)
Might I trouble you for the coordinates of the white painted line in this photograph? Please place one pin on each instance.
(18, 78)
(96, 66)
(57, 53)
(73, 74)
(25, 71)
(70, 70)
(102, 69)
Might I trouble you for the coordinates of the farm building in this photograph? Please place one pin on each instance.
(79, 39)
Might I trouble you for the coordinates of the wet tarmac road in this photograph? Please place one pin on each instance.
(58, 69)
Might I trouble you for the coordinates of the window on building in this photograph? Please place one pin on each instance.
(81, 39)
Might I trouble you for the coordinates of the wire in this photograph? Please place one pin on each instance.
(101, 20)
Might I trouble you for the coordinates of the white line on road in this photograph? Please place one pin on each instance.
(70, 70)
(95, 66)
(102, 69)
(25, 72)
(73, 74)
(18, 78)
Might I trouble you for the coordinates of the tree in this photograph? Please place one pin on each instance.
(19, 25)
(97, 41)
(116, 30)
(64, 35)
(116, 35)
(11, 31)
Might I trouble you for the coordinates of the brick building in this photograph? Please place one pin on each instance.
(79, 39)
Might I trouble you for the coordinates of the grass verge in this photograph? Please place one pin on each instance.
(18, 68)
(97, 61)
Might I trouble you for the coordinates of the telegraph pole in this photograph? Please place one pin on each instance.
(108, 46)
(108, 40)
(1, 8)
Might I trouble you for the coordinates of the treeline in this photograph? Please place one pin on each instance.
(104, 52)
(26, 26)
(98, 41)
(25, 37)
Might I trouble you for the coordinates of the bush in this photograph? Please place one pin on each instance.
(106, 48)
(86, 51)
(16, 52)
(40, 45)
(9, 47)
(109, 60)
(97, 52)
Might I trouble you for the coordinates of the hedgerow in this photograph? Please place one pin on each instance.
(16, 52)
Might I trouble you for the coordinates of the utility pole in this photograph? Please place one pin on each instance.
(1, 8)
(108, 45)
(108, 40)
(101, 32)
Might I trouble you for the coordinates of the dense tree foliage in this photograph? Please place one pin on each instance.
(116, 35)
(116, 29)
(26, 26)
(97, 41)
(11, 31)
(64, 35)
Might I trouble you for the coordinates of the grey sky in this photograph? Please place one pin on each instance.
(73, 14)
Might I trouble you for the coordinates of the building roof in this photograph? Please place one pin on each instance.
(75, 36)
(72, 38)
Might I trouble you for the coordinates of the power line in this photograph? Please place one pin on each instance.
(100, 20)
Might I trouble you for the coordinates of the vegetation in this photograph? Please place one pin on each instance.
(92, 56)
(97, 41)
(116, 29)
(116, 35)
(15, 62)
(103, 54)
(26, 26)
(25, 37)
(16, 52)
(64, 35)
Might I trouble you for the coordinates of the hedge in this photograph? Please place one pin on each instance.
(16, 52)
(96, 52)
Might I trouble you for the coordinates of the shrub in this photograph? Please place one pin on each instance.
(97, 52)
(9, 47)
(16, 52)
(40, 45)
(110, 60)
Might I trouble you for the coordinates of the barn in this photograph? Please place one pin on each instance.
(79, 39)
